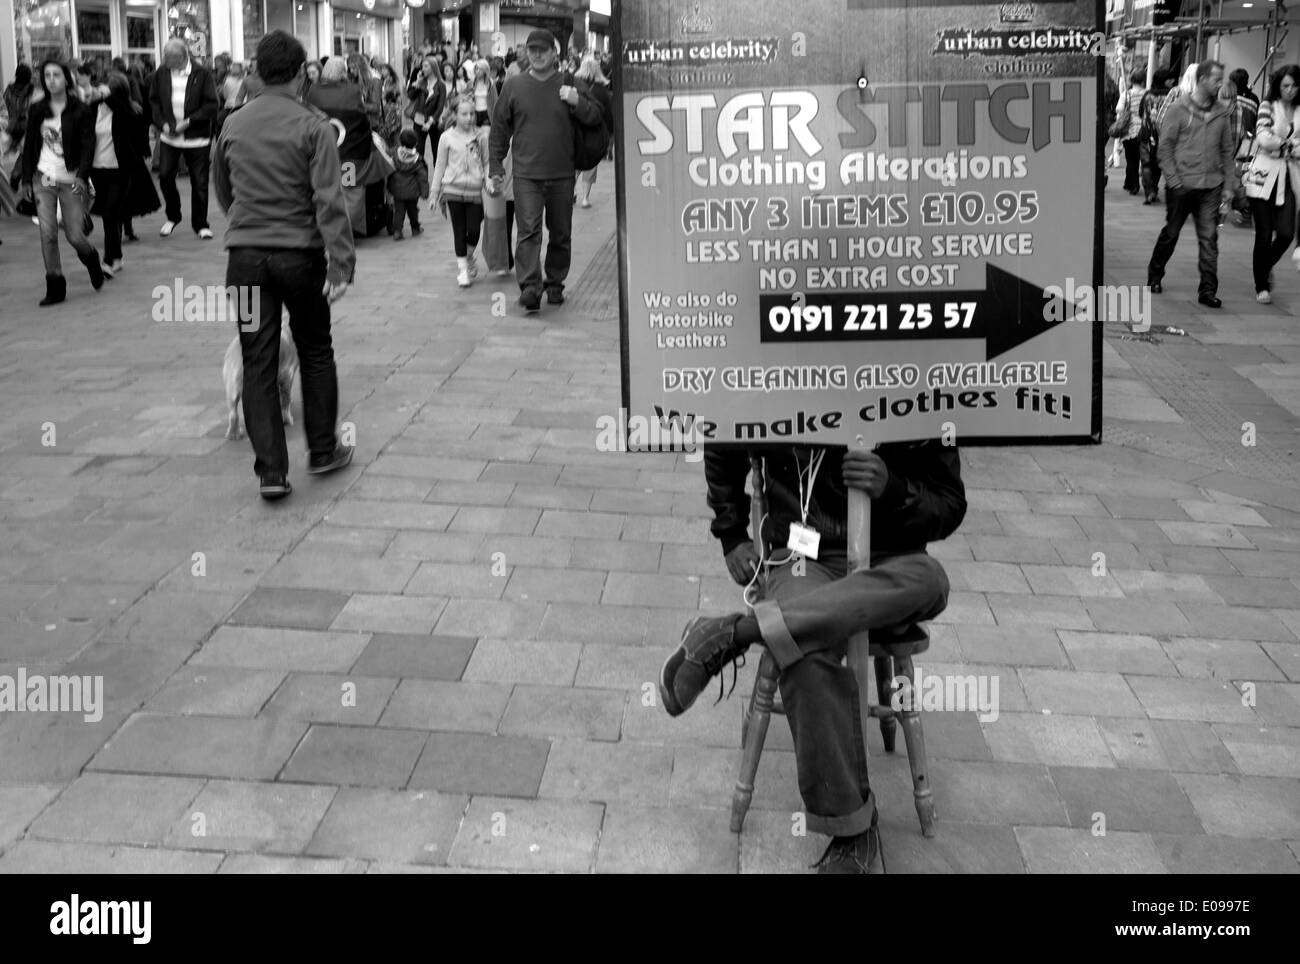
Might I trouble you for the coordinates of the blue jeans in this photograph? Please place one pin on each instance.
(1202, 204)
(806, 620)
(293, 279)
(554, 198)
(48, 202)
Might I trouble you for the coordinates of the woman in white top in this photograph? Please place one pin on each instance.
(484, 93)
(58, 154)
(1273, 178)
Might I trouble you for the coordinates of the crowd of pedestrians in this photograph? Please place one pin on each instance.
(1224, 155)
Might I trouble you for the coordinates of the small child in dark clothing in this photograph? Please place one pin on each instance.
(408, 184)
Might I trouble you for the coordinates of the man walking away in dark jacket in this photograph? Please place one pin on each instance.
(276, 174)
(1196, 156)
(813, 603)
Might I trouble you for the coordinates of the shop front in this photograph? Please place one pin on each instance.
(96, 31)
(301, 18)
(369, 27)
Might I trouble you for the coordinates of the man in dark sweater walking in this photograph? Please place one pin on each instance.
(533, 122)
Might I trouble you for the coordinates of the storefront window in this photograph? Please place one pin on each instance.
(359, 33)
(94, 37)
(190, 20)
(42, 28)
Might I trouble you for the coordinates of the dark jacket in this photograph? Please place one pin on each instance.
(410, 177)
(924, 499)
(276, 173)
(77, 126)
(201, 102)
(536, 127)
(17, 100)
(140, 197)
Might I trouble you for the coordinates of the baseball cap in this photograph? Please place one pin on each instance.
(541, 38)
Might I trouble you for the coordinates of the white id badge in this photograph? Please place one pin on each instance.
(804, 540)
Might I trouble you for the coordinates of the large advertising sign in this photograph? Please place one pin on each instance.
(875, 218)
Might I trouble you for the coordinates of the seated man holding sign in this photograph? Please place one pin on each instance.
(812, 603)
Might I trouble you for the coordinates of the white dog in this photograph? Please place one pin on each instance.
(232, 373)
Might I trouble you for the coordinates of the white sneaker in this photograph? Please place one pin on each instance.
(205, 234)
(1263, 297)
(168, 227)
(462, 277)
(112, 268)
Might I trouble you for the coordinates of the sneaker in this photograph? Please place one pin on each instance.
(341, 456)
(708, 644)
(416, 230)
(530, 301)
(586, 204)
(503, 272)
(111, 268)
(854, 855)
(168, 227)
(462, 277)
(206, 234)
(1263, 297)
(274, 487)
(554, 296)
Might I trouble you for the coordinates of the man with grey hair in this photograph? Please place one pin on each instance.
(183, 101)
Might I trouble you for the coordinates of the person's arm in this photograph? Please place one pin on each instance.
(86, 134)
(925, 497)
(1228, 161)
(155, 101)
(501, 131)
(725, 472)
(440, 167)
(331, 209)
(422, 172)
(221, 175)
(1169, 129)
(32, 145)
(587, 110)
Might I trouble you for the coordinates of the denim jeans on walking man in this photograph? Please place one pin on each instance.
(1202, 204)
(533, 198)
(286, 278)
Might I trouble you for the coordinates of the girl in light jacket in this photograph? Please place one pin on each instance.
(459, 177)
(1274, 177)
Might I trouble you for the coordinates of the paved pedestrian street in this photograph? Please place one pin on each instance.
(442, 657)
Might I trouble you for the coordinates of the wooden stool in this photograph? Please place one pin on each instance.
(882, 648)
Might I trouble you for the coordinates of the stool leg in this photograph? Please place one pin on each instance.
(885, 692)
(915, 739)
(755, 735)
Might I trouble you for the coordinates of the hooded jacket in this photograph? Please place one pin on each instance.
(1196, 149)
(410, 177)
(924, 499)
(462, 165)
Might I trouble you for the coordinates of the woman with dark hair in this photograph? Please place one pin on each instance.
(57, 159)
(1274, 177)
(123, 188)
(16, 102)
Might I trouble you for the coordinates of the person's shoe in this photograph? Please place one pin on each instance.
(854, 855)
(1210, 301)
(168, 227)
(708, 644)
(94, 268)
(129, 236)
(462, 275)
(530, 301)
(586, 203)
(109, 270)
(1156, 288)
(340, 457)
(206, 234)
(503, 272)
(1263, 297)
(398, 235)
(1295, 258)
(554, 296)
(56, 289)
(416, 230)
(274, 486)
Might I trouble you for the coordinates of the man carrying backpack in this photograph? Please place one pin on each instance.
(534, 121)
